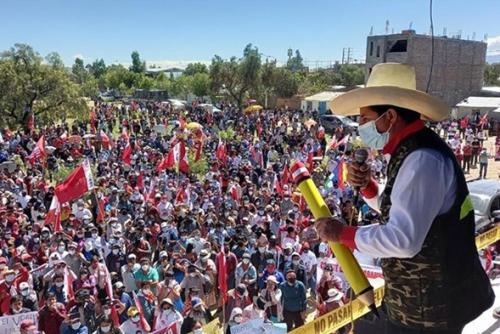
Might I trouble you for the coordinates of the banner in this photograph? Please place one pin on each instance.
(259, 326)
(488, 237)
(10, 324)
(340, 317)
(213, 327)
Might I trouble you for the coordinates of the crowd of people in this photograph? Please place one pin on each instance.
(193, 215)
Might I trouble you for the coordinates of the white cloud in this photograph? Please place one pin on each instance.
(78, 56)
(494, 46)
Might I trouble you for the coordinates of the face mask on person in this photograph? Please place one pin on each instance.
(9, 278)
(107, 311)
(295, 262)
(89, 247)
(145, 267)
(262, 249)
(105, 329)
(116, 251)
(25, 292)
(237, 319)
(59, 284)
(71, 252)
(61, 249)
(135, 318)
(370, 135)
(94, 235)
(76, 325)
(198, 331)
(246, 261)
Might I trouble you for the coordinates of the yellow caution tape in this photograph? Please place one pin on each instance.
(342, 316)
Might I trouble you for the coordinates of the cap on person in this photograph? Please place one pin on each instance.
(118, 285)
(132, 311)
(273, 279)
(166, 301)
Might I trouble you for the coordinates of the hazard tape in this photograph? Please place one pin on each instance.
(343, 315)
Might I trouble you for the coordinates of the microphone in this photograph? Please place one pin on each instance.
(360, 157)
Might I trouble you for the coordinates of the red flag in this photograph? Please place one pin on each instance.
(140, 181)
(310, 162)
(221, 152)
(125, 134)
(151, 193)
(170, 329)
(126, 154)
(164, 163)
(106, 143)
(109, 292)
(199, 149)
(176, 157)
(341, 173)
(68, 284)
(285, 175)
(222, 273)
(138, 304)
(183, 162)
(53, 216)
(38, 152)
(100, 209)
(277, 185)
(76, 184)
(183, 196)
(233, 190)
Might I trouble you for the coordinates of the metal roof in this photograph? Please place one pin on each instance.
(480, 102)
(323, 96)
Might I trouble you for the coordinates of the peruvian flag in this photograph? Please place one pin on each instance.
(285, 178)
(140, 181)
(38, 152)
(221, 152)
(183, 196)
(343, 141)
(277, 185)
(233, 190)
(53, 216)
(100, 208)
(127, 154)
(151, 193)
(106, 143)
(144, 323)
(109, 292)
(68, 284)
(76, 184)
(177, 157)
(163, 164)
(222, 273)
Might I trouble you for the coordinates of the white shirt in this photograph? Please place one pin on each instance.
(423, 189)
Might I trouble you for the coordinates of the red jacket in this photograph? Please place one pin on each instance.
(51, 321)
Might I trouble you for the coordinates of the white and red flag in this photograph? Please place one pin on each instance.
(53, 216)
(39, 152)
(76, 184)
(177, 158)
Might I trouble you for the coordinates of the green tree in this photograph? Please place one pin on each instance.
(26, 83)
(118, 76)
(236, 77)
(182, 86)
(54, 60)
(138, 66)
(278, 80)
(200, 84)
(193, 68)
(492, 75)
(349, 75)
(162, 82)
(79, 72)
(296, 63)
(97, 68)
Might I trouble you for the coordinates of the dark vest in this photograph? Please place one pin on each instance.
(444, 285)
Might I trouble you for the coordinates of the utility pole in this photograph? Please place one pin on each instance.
(343, 55)
(349, 55)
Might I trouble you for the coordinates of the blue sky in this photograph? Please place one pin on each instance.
(198, 29)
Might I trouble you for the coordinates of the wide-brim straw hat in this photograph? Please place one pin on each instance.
(391, 84)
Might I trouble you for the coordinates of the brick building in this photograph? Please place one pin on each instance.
(458, 64)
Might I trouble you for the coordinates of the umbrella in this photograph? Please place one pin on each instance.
(88, 135)
(310, 122)
(9, 165)
(160, 128)
(193, 125)
(253, 108)
(75, 139)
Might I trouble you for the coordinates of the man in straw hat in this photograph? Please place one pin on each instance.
(434, 280)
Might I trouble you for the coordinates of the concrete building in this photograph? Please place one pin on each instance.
(458, 64)
(319, 102)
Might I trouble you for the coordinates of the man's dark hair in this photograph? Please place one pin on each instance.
(407, 115)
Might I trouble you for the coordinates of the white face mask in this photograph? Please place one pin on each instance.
(25, 292)
(145, 267)
(198, 331)
(59, 284)
(237, 319)
(136, 318)
(246, 261)
(370, 135)
(10, 278)
(71, 252)
(76, 325)
(61, 249)
(115, 251)
(105, 329)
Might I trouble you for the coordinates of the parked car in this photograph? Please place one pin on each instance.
(485, 197)
(331, 122)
